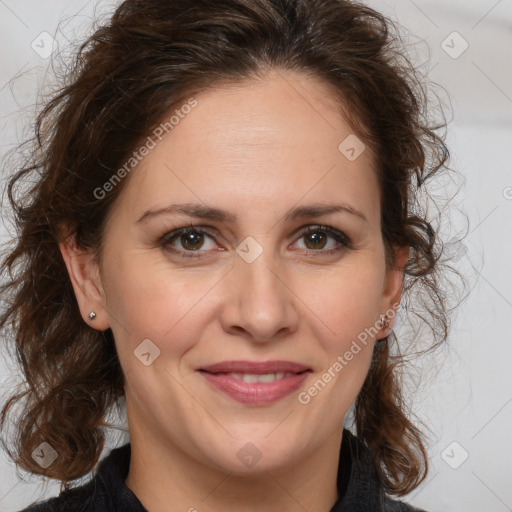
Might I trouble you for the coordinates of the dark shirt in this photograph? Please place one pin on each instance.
(358, 486)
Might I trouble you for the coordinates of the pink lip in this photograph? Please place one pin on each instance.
(255, 367)
(257, 393)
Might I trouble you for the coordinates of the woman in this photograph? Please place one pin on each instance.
(224, 220)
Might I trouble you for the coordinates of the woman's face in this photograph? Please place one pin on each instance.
(250, 168)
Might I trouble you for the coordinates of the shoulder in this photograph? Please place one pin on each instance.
(365, 492)
(106, 491)
(391, 505)
(80, 499)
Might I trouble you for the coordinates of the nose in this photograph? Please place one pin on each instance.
(260, 304)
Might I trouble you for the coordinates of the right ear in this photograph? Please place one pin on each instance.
(85, 277)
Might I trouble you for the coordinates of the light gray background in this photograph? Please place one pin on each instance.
(467, 400)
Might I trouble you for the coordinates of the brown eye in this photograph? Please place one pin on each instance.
(192, 241)
(189, 240)
(315, 240)
(322, 240)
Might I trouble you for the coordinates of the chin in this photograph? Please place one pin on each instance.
(254, 454)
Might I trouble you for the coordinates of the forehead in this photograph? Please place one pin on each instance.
(257, 143)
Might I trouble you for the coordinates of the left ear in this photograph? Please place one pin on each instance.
(392, 292)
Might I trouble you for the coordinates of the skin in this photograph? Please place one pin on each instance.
(257, 150)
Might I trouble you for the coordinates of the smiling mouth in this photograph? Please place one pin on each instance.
(256, 389)
(251, 378)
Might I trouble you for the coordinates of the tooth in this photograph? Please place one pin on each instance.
(267, 377)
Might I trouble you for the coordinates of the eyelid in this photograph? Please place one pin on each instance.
(175, 233)
(335, 233)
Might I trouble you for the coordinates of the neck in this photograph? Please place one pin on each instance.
(164, 478)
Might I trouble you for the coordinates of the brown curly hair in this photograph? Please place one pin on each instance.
(125, 79)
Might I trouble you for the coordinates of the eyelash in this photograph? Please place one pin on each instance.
(343, 241)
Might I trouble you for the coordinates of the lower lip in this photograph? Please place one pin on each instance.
(256, 393)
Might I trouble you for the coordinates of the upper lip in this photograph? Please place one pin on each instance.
(255, 367)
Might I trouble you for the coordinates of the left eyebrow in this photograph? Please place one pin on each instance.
(202, 211)
(319, 209)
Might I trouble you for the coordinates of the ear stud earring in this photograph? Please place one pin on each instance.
(92, 315)
(384, 321)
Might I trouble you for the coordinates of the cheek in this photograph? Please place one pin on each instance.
(346, 302)
(350, 311)
(150, 301)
